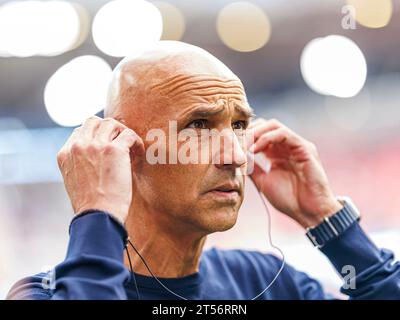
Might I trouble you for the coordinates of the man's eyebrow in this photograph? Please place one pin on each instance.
(247, 112)
(205, 111)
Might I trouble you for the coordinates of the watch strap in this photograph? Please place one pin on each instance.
(331, 227)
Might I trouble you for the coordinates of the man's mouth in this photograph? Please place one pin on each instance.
(227, 191)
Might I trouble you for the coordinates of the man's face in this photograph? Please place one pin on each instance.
(206, 195)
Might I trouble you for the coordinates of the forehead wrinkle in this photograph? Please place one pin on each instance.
(206, 96)
(207, 89)
(177, 85)
(199, 82)
(169, 82)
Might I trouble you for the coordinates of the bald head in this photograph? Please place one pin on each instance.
(146, 84)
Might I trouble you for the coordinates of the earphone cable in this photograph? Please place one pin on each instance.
(132, 273)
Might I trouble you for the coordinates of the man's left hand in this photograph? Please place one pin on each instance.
(296, 184)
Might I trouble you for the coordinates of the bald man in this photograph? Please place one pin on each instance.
(121, 186)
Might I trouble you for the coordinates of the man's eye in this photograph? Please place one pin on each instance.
(198, 124)
(239, 125)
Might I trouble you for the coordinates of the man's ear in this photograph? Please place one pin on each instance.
(137, 161)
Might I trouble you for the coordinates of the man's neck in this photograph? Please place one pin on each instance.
(169, 251)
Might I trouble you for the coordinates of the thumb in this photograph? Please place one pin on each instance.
(258, 175)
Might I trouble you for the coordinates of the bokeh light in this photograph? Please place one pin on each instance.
(243, 26)
(350, 114)
(372, 13)
(85, 24)
(29, 28)
(126, 27)
(173, 21)
(334, 65)
(77, 90)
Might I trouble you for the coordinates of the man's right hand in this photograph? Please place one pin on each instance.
(96, 166)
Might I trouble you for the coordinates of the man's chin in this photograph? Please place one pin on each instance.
(223, 227)
(221, 220)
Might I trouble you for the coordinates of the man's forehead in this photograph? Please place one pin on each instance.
(201, 84)
(184, 93)
(182, 76)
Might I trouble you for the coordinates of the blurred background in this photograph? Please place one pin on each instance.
(329, 70)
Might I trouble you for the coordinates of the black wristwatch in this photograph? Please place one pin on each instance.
(335, 224)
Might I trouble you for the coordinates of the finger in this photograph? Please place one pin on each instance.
(109, 129)
(259, 127)
(263, 126)
(90, 126)
(256, 122)
(128, 139)
(76, 135)
(85, 131)
(278, 136)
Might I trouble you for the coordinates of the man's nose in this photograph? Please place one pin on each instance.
(231, 153)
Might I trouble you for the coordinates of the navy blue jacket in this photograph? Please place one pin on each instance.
(94, 269)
